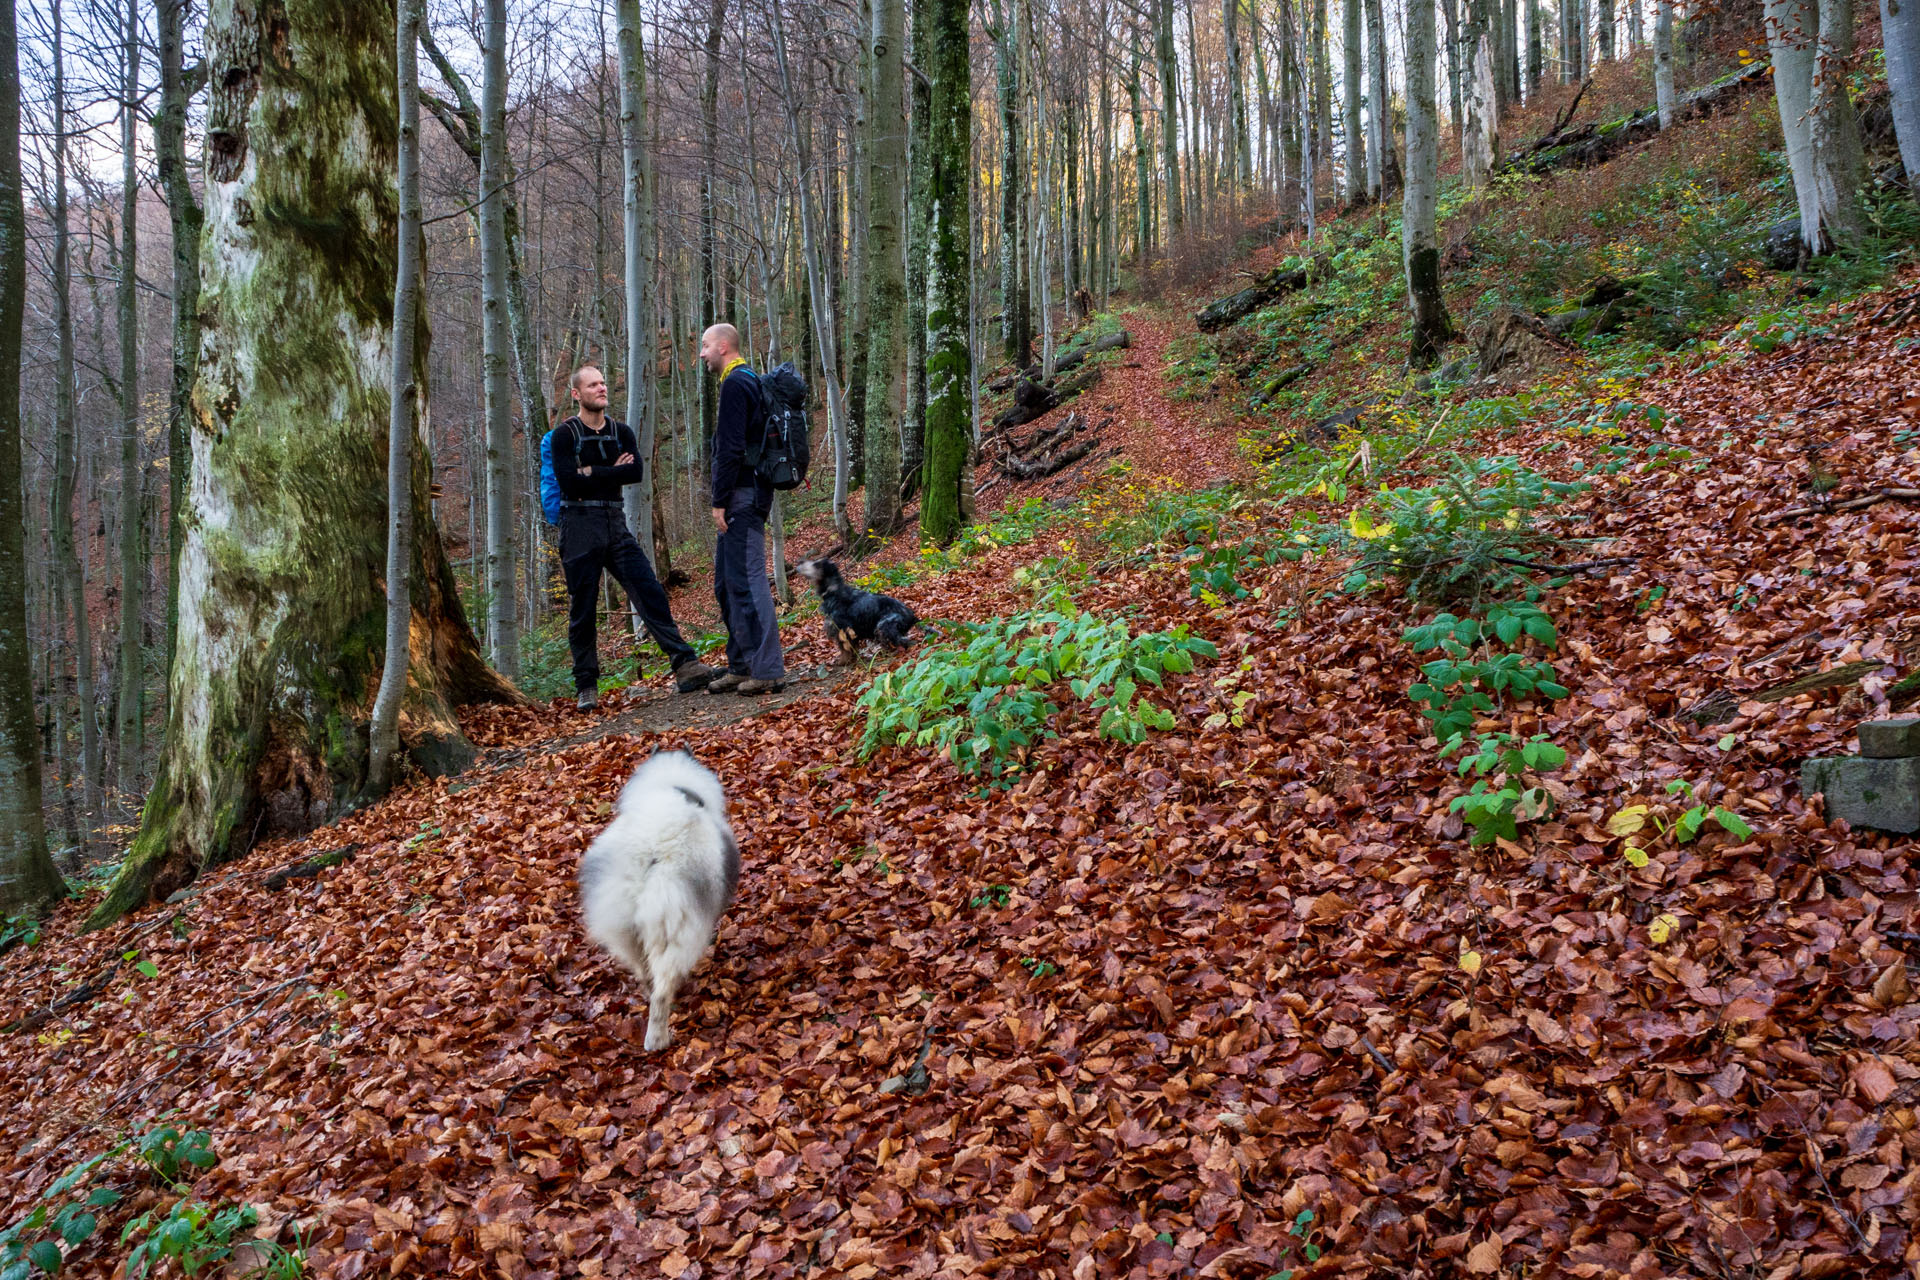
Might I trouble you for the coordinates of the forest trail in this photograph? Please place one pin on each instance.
(1168, 996)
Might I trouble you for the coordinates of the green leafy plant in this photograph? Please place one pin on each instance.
(1474, 678)
(985, 701)
(992, 896)
(168, 1151)
(61, 1216)
(196, 1236)
(18, 931)
(1300, 1233)
(1469, 537)
(1502, 796)
(1039, 968)
(1684, 828)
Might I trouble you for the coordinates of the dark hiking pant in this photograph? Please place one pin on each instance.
(745, 594)
(593, 538)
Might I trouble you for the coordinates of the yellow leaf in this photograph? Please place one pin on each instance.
(1662, 927)
(1628, 820)
(1635, 857)
(1470, 961)
(1361, 525)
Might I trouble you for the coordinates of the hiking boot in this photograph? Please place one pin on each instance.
(725, 683)
(693, 674)
(588, 700)
(750, 688)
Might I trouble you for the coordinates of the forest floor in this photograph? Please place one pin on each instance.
(1236, 999)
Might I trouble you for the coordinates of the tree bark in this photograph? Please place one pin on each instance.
(948, 485)
(1359, 162)
(919, 231)
(1419, 239)
(637, 232)
(383, 734)
(1240, 145)
(1143, 161)
(819, 308)
(1839, 165)
(28, 879)
(496, 345)
(1380, 135)
(66, 462)
(1663, 62)
(1169, 116)
(1015, 319)
(886, 273)
(133, 524)
(1900, 33)
(281, 599)
(183, 211)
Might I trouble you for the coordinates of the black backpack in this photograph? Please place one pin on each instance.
(780, 456)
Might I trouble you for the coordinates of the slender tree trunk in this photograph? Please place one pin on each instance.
(1534, 49)
(1015, 318)
(1169, 116)
(1450, 10)
(1240, 146)
(1795, 36)
(1360, 164)
(1839, 166)
(1663, 61)
(1143, 162)
(133, 526)
(1603, 50)
(948, 484)
(1322, 86)
(503, 615)
(919, 232)
(816, 283)
(66, 462)
(183, 210)
(709, 175)
(383, 733)
(28, 879)
(1900, 32)
(281, 604)
(1380, 135)
(860, 141)
(1419, 239)
(886, 187)
(637, 233)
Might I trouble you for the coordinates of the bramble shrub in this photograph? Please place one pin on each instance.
(61, 1216)
(1466, 538)
(197, 1236)
(984, 699)
(1473, 678)
(1501, 797)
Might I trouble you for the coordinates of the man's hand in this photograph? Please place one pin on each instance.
(623, 460)
(586, 471)
(720, 519)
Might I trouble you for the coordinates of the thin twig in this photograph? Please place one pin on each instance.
(1602, 563)
(1851, 504)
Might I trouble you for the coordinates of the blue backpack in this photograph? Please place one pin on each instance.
(549, 485)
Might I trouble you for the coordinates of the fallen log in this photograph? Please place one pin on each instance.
(311, 867)
(1851, 504)
(1288, 277)
(1281, 381)
(1070, 360)
(1036, 468)
(1593, 144)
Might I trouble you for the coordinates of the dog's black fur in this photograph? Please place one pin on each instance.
(854, 615)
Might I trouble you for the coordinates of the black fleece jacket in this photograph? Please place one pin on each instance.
(575, 446)
(739, 412)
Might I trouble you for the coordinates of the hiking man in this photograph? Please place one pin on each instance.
(593, 459)
(742, 500)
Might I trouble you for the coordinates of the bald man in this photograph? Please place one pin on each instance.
(742, 500)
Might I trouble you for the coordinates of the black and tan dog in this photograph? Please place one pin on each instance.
(854, 615)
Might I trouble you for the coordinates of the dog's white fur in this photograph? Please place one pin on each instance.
(654, 882)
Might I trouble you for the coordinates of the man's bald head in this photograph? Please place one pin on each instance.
(719, 344)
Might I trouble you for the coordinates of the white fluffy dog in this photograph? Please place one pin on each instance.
(654, 882)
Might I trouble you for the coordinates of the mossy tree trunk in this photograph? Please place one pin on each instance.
(886, 312)
(949, 359)
(282, 608)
